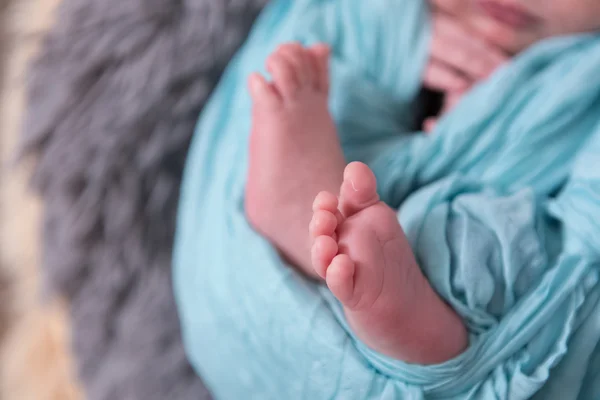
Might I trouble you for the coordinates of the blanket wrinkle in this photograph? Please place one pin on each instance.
(499, 205)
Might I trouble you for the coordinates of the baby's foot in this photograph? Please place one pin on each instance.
(294, 149)
(363, 255)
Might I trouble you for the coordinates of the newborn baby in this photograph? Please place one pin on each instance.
(325, 216)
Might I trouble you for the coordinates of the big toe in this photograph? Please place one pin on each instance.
(359, 189)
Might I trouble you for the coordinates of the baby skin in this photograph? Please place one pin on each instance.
(354, 242)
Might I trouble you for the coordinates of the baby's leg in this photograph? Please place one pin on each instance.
(294, 149)
(362, 253)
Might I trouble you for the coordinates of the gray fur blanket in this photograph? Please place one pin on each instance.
(113, 100)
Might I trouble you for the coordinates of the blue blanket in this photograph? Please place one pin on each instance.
(501, 206)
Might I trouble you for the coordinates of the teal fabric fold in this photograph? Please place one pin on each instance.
(501, 205)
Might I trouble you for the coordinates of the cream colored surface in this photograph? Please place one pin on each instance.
(35, 363)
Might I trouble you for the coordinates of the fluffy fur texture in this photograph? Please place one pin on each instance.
(35, 362)
(114, 98)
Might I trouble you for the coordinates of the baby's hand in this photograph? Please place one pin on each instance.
(459, 58)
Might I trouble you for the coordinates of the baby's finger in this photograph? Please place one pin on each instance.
(502, 36)
(429, 124)
(447, 6)
(455, 46)
(444, 78)
(452, 99)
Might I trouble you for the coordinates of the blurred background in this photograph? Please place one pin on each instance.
(34, 358)
(105, 150)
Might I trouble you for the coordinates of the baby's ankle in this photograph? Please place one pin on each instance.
(284, 225)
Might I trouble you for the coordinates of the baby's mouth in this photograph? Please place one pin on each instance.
(511, 15)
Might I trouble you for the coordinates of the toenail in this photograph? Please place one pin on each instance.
(353, 185)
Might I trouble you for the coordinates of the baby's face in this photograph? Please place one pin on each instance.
(516, 24)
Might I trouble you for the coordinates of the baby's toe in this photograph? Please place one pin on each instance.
(284, 75)
(299, 58)
(325, 201)
(262, 92)
(323, 251)
(329, 202)
(323, 223)
(340, 279)
(320, 55)
(359, 189)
